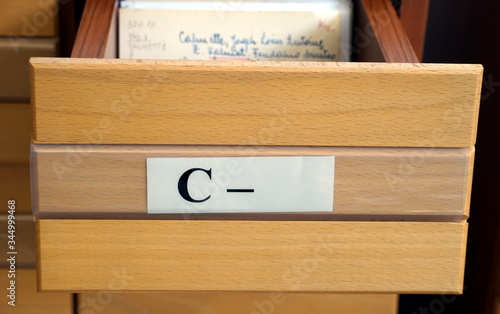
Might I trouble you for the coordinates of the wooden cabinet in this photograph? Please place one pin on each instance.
(93, 115)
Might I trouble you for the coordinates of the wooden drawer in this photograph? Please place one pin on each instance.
(96, 120)
(15, 132)
(14, 56)
(225, 303)
(416, 160)
(25, 240)
(28, 18)
(15, 185)
(378, 35)
(29, 301)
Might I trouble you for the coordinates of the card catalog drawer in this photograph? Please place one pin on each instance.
(378, 35)
(374, 116)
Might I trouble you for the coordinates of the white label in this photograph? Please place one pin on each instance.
(240, 184)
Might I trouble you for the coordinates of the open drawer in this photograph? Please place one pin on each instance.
(402, 135)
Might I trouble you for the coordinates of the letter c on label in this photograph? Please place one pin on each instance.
(183, 184)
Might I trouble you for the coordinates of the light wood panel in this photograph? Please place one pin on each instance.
(103, 179)
(162, 255)
(15, 132)
(254, 103)
(15, 185)
(28, 18)
(29, 301)
(25, 240)
(14, 64)
(229, 303)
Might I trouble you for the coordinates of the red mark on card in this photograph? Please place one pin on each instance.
(322, 23)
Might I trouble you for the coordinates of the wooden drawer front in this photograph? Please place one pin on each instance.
(229, 303)
(111, 179)
(15, 184)
(29, 301)
(28, 18)
(25, 241)
(15, 132)
(159, 255)
(14, 62)
(254, 103)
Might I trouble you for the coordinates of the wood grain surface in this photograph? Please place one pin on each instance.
(365, 46)
(25, 240)
(111, 179)
(29, 301)
(28, 18)
(230, 303)
(112, 101)
(414, 21)
(95, 28)
(379, 36)
(162, 255)
(15, 132)
(15, 185)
